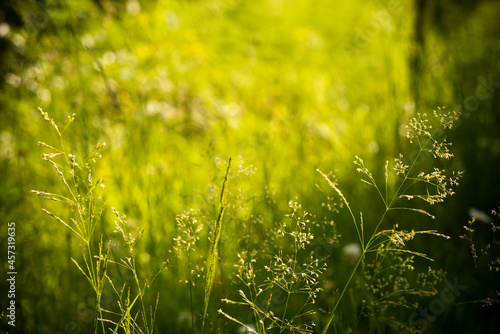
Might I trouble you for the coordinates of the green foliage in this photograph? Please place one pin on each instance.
(291, 276)
(285, 88)
(80, 196)
(437, 186)
(213, 254)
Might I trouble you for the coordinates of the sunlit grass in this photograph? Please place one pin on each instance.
(176, 87)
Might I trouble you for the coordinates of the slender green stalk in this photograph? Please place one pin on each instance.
(213, 255)
(342, 294)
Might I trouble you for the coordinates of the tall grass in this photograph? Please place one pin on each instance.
(293, 271)
(213, 254)
(408, 180)
(279, 275)
(82, 200)
(411, 183)
(80, 196)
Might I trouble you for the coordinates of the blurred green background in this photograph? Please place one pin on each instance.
(284, 87)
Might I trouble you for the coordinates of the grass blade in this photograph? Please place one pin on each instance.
(213, 255)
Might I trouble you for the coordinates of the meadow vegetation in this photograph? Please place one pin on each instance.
(251, 167)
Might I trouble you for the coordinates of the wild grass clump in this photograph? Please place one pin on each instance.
(409, 180)
(82, 200)
(277, 274)
(281, 294)
(280, 282)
